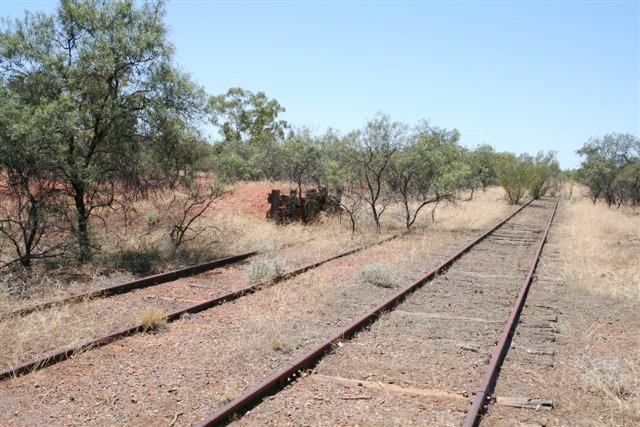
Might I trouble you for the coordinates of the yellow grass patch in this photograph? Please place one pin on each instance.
(600, 248)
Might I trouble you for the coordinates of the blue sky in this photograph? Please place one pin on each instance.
(523, 76)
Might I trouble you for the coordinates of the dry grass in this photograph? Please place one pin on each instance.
(18, 291)
(485, 209)
(598, 251)
(265, 269)
(600, 248)
(25, 338)
(152, 319)
(617, 382)
(229, 231)
(379, 275)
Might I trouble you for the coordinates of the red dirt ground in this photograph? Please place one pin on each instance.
(249, 198)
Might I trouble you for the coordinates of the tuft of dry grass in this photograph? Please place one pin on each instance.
(379, 275)
(277, 344)
(265, 269)
(600, 247)
(152, 320)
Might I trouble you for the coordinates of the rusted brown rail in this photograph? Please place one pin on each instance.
(65, 353)
(145, 282)
(284, 376)
(481, 399)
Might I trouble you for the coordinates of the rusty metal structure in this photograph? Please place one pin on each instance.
(293, 207)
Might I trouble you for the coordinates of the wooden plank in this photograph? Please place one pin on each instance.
(516, 402)
(389, 388)
(438, 316)
(525, 403)
(541, 351)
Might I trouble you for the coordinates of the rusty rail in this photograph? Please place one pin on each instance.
(284, 376)
(480, 401)
(145, 282)
(65, 353)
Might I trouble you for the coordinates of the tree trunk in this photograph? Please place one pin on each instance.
(82, 221)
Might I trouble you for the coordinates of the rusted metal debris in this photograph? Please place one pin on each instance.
(294, 207)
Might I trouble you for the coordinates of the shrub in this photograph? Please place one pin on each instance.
(138, 261)
(379, 275)
(152, 320)
(265, 270)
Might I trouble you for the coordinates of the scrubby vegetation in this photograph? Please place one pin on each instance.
(98, 125)
(611, 169)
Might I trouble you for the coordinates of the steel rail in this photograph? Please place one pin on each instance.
(284, 376)
(481, 399)
(133, 285)
(67, 352)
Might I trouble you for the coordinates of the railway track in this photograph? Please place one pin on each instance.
(134, 285)
(445, 341)
(203, 289)
(199, 363)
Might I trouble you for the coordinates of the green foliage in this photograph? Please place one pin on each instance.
(481, 168)
(514, 175)
(251, 134)
(138, 261)
(519, 174)
(300, 159)
(247, 117)
(543, 174)
(99, 75)
(429, 168)
(370, 155)
(611, 167)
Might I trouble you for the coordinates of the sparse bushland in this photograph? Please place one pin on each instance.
(101, 125)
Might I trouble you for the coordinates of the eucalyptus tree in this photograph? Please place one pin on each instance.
(251, 131)
(103, 70)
